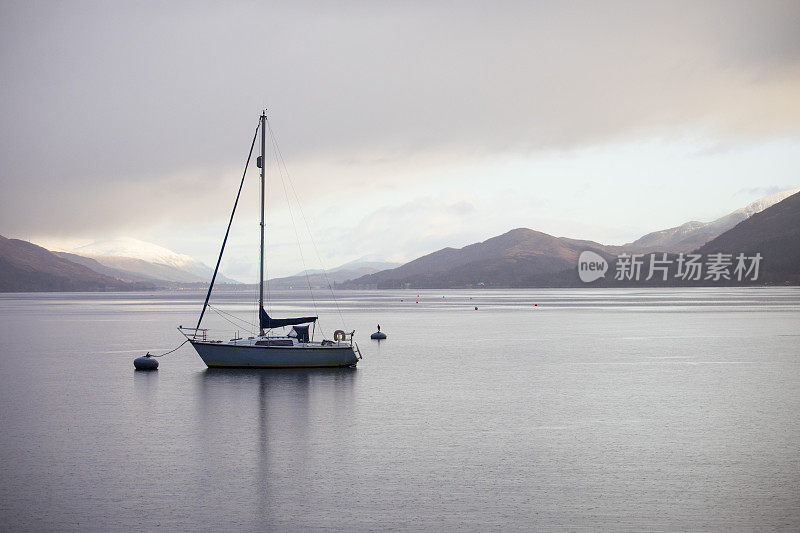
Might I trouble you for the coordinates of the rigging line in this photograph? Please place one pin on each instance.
(254, 307)
(223, 317)
(266, 271)
(227, 232)
(300, 249)
(316, 251)
(305, 221)
(218, 310)
(294, 226)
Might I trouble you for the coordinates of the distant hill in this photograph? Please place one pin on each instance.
(139, 267)
(774, 233)
(516, 258)
(124, 275)
(136, 260)
(528, 258)
(692, 235)
(317, 278)
(367, 262)
(27, 267)
(519, 258)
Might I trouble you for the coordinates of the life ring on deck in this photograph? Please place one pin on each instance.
(339, 335)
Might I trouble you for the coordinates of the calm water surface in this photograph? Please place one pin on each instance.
(601, 409)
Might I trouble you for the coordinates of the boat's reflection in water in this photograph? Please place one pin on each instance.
(277, 428)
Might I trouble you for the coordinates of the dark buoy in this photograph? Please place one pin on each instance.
(145, 363)
(378, 335)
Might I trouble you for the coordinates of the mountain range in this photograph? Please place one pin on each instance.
(25, 266)
(135, 260)
(319, 279)
(774, 233)
(526, 258)
(119, 264)
(692, 235)
(519, 258)
(503, 261)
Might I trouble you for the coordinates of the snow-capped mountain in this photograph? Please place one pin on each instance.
(128, 247)
(148, 259)
(768, 201)
(692, 235)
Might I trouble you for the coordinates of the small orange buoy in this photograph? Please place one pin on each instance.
(535, 305)
(476, 308)
(416, 302)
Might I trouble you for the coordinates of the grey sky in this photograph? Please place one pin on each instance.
(134, 118)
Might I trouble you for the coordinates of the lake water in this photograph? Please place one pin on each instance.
(544, 409)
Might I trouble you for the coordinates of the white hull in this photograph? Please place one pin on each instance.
(232, 355)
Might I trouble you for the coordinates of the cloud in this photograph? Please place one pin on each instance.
(428, 223)
(123, 116)
(759, 192)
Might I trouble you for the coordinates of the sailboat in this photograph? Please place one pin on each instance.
(268, 350)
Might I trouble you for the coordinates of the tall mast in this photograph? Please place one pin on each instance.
(261, 261)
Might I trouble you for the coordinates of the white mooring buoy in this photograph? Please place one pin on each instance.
(146, 362)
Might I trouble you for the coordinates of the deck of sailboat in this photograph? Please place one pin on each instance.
(260, 343)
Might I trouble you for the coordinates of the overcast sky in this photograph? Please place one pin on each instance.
(405, 126)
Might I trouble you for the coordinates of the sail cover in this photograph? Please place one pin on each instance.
(268, 323)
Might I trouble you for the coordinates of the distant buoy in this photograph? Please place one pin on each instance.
(476, 308)
(535, 305)
(145, 363)
(378, 335)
